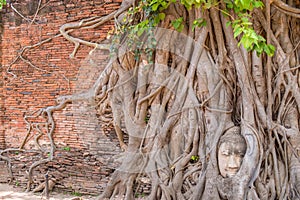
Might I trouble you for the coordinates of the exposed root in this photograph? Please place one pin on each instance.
(294, 12)
(41, 187)
(176, 106)
(8, 161)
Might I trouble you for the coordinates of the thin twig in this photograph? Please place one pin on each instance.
(36, 13)
(14, 9)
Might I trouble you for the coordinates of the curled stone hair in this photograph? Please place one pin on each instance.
(232, 135)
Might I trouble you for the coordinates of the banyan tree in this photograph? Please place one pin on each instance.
(204, 97)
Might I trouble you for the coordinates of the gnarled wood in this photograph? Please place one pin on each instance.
(176, 103)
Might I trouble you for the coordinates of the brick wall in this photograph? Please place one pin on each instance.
(2, 136)
(25, 87)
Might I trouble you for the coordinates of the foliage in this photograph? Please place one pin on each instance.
(199, 23)
(67, 148)
(77, 194)
(243, 27)
(241, 24)
(135, 42)
(178, 24)
(179, 118)
(198, 3)
(139, 195)
(2, 3)
(17, 183)
(194, 158)
(147, 119)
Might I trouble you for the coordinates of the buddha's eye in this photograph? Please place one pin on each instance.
(239, 153)
(225, 153)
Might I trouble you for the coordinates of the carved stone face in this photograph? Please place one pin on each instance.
(232, 148)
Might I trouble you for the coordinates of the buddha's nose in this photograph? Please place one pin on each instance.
(233, 162)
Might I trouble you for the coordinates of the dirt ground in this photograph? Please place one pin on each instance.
(9, 192)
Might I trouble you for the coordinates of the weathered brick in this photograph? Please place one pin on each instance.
(54, 73)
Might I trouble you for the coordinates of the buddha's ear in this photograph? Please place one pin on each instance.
(252, 160)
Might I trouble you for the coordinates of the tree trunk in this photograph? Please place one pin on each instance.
(200, 84)
(178, 95)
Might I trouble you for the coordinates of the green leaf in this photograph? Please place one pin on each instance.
(155, 6)
(261, 38)
(269, 49)
(258, 4)
(140, 31)
(161, 16)
(247, 42)
(158, 18)
(153, 2)
(67, 148)
(207, 5)
(177, 24)
(181, 27)
(200, 22)
(188, 3)
(194, 158)
(246, 23)
(229, 5)
(253, 35)
(244, 19)
(259, 47)
(228, 23)
(164, 4)
(141, 27)
(2, 3)
(237, 31)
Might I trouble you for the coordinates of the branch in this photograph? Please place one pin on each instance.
(50, 121)
(14, 9)
(34, 165)
(294, 12)
(89, 23)
(23, 51)
(8, 161)
(37, 11)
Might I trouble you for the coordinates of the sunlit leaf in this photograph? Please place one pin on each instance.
(161, 16)
(228, 23)
(177, 24)
(258, 4)
(269, 49)
(155, 6)
(237, 32)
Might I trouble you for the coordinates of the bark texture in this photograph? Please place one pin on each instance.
(176, 103)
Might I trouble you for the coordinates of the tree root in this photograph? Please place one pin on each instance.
(8, 161)
(41, 187)
(175, 109)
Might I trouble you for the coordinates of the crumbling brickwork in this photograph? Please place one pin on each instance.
(45, 72)
(2, 136)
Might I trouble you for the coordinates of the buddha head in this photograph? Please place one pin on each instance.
(231, 150)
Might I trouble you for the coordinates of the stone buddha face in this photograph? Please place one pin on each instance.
(232, 148)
